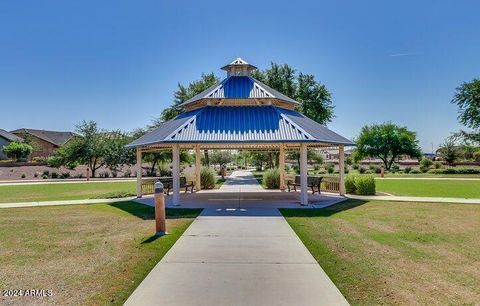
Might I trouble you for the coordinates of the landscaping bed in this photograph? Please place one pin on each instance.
(86, 254)
(400, 253)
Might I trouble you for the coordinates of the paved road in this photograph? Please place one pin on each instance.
(238, 257)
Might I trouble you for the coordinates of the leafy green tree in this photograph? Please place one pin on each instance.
(449, 151)
(312, 155)
(467, 98)
(221, 157)
(17, 150)
(116, 155)
(387, 142)
(314, 97)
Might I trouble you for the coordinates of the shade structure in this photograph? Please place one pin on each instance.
(240, 112)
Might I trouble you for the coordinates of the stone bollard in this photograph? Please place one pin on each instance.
(160, 224)
(382, 172)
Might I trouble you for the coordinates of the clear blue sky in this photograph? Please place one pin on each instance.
(118, 62)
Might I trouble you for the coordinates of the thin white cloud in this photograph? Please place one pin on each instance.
(401, 54)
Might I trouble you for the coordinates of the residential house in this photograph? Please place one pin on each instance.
(46, 141)
(5, 139)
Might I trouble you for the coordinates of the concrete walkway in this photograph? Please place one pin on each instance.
(237, 257)
(241, 181)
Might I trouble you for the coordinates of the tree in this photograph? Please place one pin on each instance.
(116, 155)
(314, 97)
(96, 148)
(221, 157)
(449, 151)
(387, 142)
(17, 150)
(467, 98)
(312, 155)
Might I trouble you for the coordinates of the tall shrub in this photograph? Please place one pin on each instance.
(350, 183)
(271, 178)
(17, 150)
(365, 185)
(207, 178)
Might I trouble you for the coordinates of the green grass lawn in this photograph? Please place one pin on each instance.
(430, 188)
(68, 191)
(87, 254)
(396, 253)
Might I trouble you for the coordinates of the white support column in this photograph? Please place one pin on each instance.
(176, 174)
(303, 174)
(341, 169)
(281, 166)
(138, 166)
(198, 166)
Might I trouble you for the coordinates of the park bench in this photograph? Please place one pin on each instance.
(168, 184)
(312, 182)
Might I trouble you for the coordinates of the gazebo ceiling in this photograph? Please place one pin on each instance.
(240, 124)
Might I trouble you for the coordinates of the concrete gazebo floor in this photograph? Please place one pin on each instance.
(243, 200)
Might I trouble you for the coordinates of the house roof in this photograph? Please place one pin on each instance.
(239, 87)
(240, 124)
(53, 137)
(9, 136)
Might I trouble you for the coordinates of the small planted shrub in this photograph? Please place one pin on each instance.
(415, 171)
(207, 178)
(350, 183)
(65, 175)
(330, 167)
(378, 170)
(437, 165)
(425, 163)
(24, 175)
(408, 169)
(271, 178)
(46, 172)
(361, 170)
(365, 185)
(423, 169)
(395, 168)
(36, 174)
(316, 167)
(54, 175)
(44, 176)
(355, 166)
(127, 173)
(372, 167)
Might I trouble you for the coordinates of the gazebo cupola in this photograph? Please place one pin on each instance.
(239, 67)
(239, 88)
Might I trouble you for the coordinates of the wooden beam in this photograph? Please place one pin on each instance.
(139, 173)
(281, 166)
(341, 169)
(303, 175)
(176, 174)
(198, 166)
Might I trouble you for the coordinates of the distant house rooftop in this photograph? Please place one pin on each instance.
(53, 137)
(9, 136)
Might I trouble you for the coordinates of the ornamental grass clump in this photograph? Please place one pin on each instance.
(207, 178)
(360, 184)
(271, 178)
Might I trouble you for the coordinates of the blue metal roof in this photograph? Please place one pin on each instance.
(240, 124)
(240, 87)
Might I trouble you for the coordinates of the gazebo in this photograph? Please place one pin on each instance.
(242, 113)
